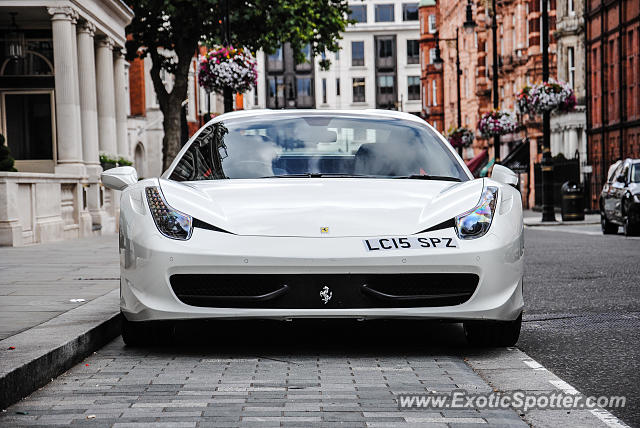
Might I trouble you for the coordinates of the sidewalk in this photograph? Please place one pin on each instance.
(533, 218)
(58, 304)
(40, 282)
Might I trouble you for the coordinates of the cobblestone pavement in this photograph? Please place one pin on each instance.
(258, 376)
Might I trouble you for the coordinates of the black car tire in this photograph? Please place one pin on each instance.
(631, 229)
(608, 228)
(493, 333)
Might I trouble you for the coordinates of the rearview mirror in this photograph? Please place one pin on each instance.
(621, 179)
(119, 178)
(504, 175)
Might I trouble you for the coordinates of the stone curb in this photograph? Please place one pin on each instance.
(537, 222)
(49, 349)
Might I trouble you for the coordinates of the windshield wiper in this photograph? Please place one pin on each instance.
(429, 177)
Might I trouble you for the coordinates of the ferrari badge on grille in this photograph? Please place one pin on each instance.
(326, 294)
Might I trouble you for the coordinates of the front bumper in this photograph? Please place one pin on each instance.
(149, 259)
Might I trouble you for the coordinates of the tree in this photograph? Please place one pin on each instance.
(169, 31)
(6, 160)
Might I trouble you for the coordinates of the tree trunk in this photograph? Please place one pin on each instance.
(171, 141)
(228, 100)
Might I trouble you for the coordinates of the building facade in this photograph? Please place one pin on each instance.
(432, 76)
(613, 81)
(378, 66)
(569, 130)
(63, 102)
(519, 64)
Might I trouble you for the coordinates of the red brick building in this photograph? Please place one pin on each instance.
(613, 85)
(432, 83)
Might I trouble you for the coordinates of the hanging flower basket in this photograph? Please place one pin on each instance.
(547, 96)
(459, 137)
(523, 100)
(496, 123)
(227, 67)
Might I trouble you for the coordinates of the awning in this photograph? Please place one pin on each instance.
(518, 159)
(477, 162)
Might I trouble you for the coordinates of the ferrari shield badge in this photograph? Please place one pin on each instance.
(326, 294)
(324, 229)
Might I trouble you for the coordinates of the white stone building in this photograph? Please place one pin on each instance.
(378, 66)
(568, 131)
(63, 101)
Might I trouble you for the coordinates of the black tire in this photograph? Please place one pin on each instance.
(145, 333)
(493, 333)
(631, 229)
(608, 228)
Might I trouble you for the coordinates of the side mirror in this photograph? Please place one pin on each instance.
(621, 179)
(119, 178)
(504, 175)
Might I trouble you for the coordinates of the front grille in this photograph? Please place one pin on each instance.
(302, 291)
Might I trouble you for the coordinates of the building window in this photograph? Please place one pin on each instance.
(338, 87)
(413, 87)
(424, 97)
(274, 61)
(255, 97)
(358, 13)
(304, 86)
(338, 55)
(432, 24)
(432, 55)
(385, 84)
(357, 54)
(358, 90)
(413, 52)
(434, 93)
(324, 91)
(571, 67)
(384, 13)
(410, 12)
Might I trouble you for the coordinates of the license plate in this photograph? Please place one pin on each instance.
(409, 243)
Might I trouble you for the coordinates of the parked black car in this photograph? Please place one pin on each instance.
(620, 199)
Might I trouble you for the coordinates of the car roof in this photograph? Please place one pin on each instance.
(301, 112)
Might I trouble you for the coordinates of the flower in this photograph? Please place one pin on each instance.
(460, 137)
(496, 123)
(224, 67)
(546, 96)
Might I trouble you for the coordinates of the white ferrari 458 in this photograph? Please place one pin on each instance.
(320, 214)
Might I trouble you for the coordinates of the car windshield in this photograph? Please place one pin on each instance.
(315, 145)
(635, 173)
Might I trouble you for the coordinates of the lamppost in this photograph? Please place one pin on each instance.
(494, 77)
(469, 25)
(548, 211)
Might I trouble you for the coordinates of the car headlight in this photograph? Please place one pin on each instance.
(636, 198)
(476, 222)
(170, 222)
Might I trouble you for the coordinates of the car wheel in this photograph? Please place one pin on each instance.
(630, 228)
(608, 228)
(144, 333)
(493, 333)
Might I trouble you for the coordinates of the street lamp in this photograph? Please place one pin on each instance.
(469, 25)
(15, 40)
(548, 211)
(437, 62)
(494, 83)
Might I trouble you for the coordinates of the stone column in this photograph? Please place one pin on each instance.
(121, 103)
(69, 145)
(88, 104)
(573, 142)
(106, 99)
(89, 114)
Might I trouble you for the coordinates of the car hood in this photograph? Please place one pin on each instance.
(302, 206)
